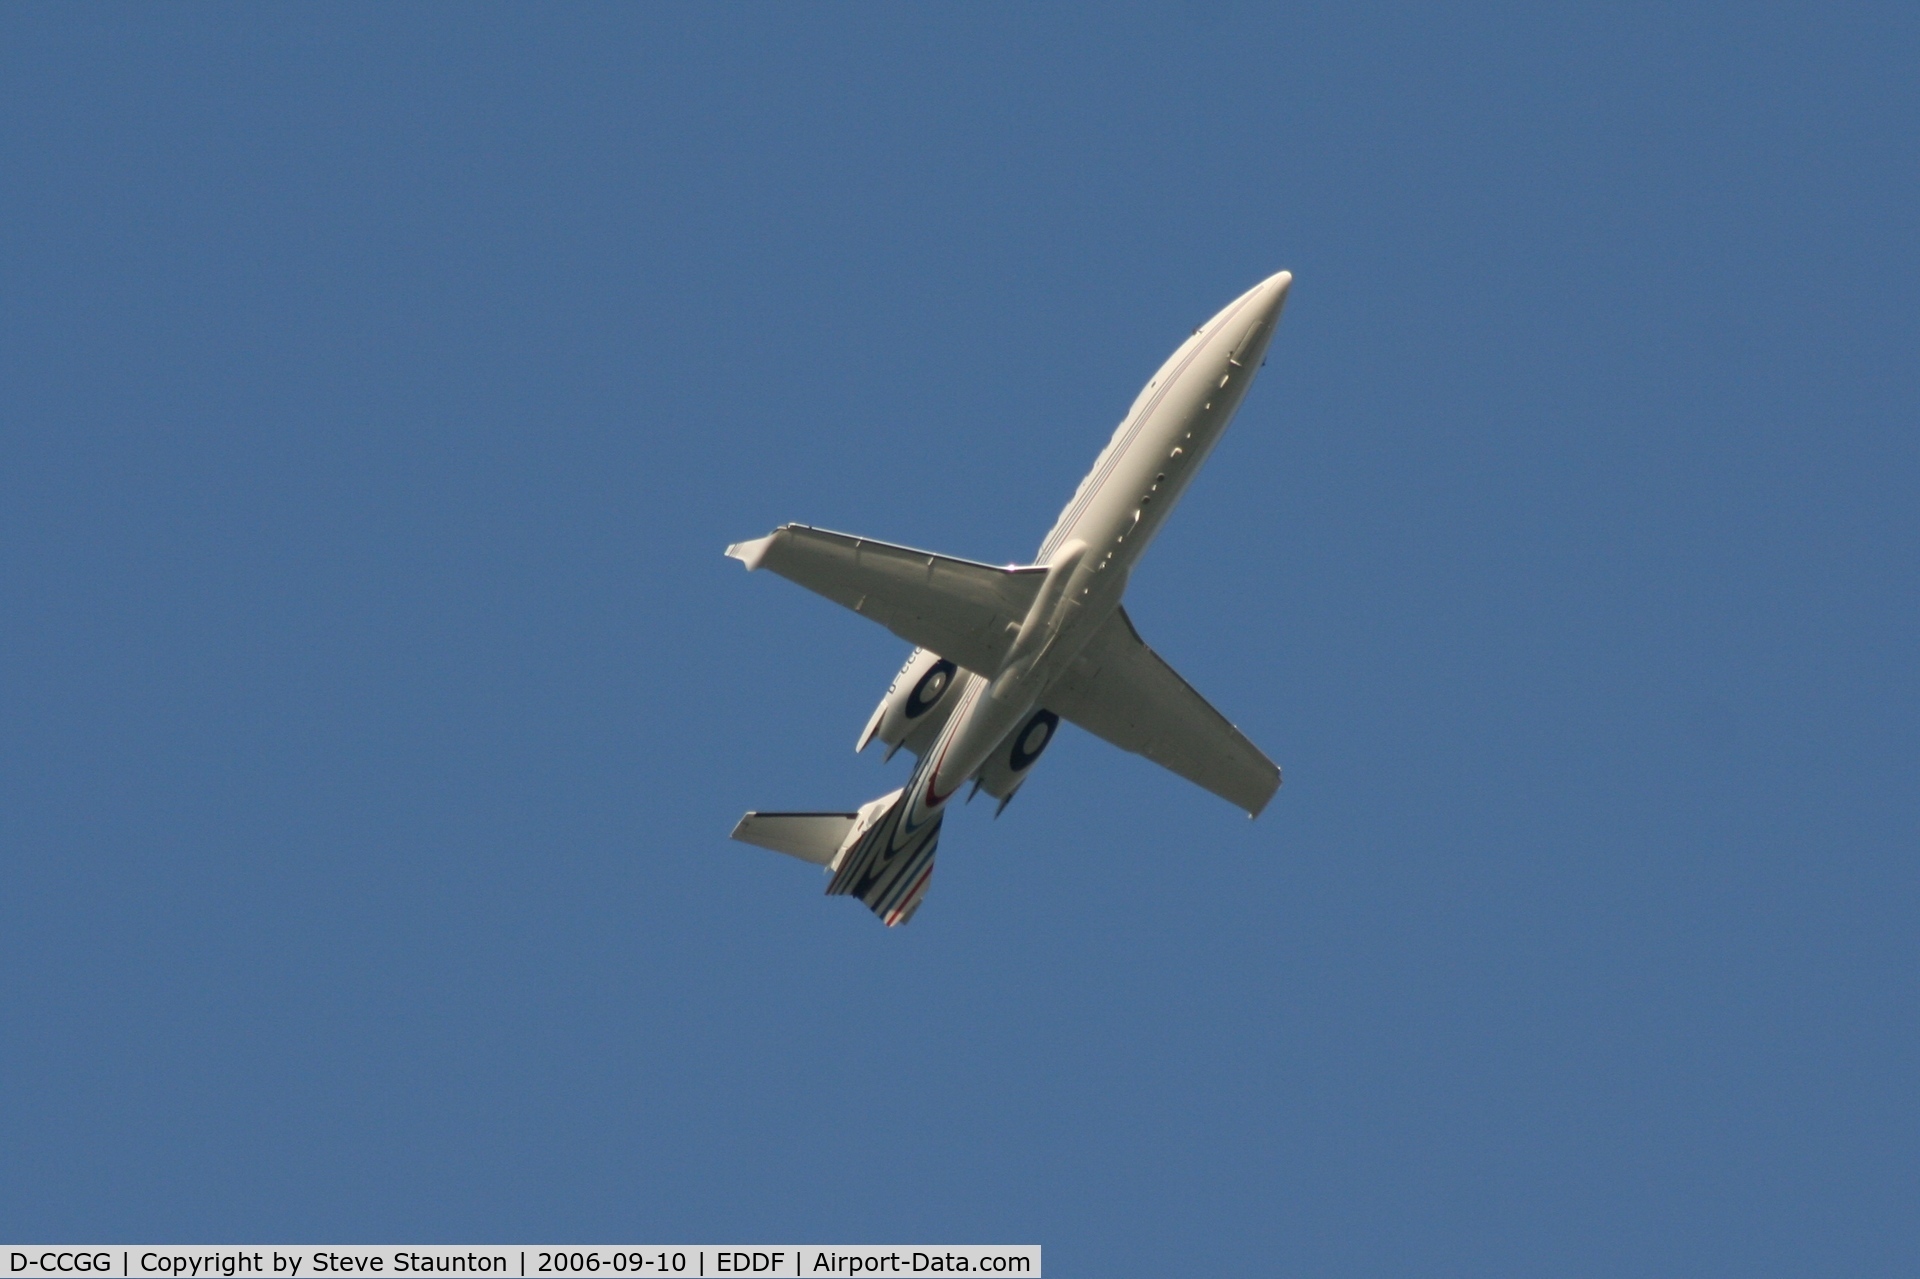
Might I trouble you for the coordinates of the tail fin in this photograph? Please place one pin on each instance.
(871, 854)
(886, 863)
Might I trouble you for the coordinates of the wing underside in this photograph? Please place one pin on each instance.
(1121, 690)
(964, 611)
(1117, 689)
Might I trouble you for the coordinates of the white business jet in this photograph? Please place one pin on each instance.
(1004, 654)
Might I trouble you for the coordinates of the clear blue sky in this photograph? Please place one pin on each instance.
(378, 390)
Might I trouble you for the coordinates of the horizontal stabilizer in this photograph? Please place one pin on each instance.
(812, 837)
(1121, 690)
(964, 611)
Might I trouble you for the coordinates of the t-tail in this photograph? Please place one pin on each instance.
(872, 854)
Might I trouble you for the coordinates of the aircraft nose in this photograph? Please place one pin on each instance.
(1269, 296)
(1273, 292)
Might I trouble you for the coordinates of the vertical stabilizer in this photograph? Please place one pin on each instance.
(889, 865)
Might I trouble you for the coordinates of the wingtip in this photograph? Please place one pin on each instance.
(751, 553)
(1267, 798)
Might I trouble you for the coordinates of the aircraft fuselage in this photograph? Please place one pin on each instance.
(1114, 514)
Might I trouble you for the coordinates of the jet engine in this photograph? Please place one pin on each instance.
(1007, 767)
(916, 706)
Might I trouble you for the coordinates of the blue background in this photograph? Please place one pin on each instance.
(382, 385)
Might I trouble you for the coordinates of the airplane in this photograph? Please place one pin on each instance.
(1002, 655)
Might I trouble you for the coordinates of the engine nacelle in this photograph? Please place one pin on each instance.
(1007, 767)
(918, 703)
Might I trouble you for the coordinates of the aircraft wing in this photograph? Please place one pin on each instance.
(965, 612)
(1121, 690)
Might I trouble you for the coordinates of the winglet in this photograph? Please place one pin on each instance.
(751, 553)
